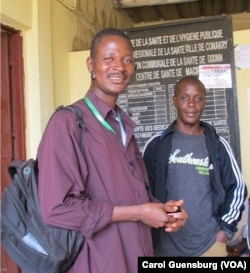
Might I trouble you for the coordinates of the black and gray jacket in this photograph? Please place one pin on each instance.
(229, 187)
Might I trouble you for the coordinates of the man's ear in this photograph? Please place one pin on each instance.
(89, 64)
(174, 100)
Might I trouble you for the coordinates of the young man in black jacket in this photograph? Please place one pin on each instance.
(190, 161)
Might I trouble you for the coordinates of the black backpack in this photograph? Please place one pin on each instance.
(33, 245)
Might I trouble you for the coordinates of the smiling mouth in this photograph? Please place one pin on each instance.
(117, 78)
(190, 114)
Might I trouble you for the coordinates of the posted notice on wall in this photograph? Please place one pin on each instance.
(216, 76)
(242, 56)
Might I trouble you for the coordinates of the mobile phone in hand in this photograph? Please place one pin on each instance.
(178, 211)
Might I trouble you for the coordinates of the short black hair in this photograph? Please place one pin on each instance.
(107, 32)
(189, 79)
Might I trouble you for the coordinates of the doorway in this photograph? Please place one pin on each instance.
(12, 114)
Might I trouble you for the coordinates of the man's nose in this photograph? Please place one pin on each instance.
(118, 64)
(191, 101)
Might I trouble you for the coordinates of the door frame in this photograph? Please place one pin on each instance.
(12, 113)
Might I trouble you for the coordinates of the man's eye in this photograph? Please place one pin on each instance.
(108, 60)
(111, 60)
(198, 99)
(184, 98)
(128, 61)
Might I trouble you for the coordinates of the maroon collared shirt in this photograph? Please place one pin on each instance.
(111, 175)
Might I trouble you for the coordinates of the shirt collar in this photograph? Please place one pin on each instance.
(104, 109)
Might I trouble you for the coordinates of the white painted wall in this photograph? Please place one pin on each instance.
(17, 13)
(243, 96)
(79, 74)
(63, 28)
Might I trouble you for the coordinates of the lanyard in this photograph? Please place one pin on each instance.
(99, 116)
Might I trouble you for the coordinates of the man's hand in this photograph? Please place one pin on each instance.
(154, 215)
(179, 219)
(221, 236)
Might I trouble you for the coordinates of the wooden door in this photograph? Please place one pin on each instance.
(12, 114)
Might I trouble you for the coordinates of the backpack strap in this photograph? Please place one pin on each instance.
(16, 165)
(76, 111)
(78, 115)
